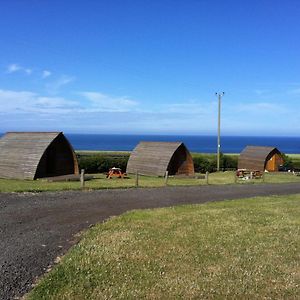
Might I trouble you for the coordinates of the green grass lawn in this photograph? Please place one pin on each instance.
(100, 182)
(240, 249)
(296, 160)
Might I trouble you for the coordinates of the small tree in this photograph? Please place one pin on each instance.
(287, 162)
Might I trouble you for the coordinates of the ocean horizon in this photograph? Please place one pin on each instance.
(195, 143)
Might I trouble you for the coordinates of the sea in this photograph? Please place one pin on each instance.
(195, 143)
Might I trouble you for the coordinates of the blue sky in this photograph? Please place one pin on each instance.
(150, 66)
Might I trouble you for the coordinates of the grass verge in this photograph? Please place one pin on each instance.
(101, 182)
(241, 249)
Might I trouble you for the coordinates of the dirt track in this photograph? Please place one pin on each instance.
(36, 228)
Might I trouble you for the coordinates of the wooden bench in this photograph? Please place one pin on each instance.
(247, 174)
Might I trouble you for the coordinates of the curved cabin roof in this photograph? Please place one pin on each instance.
(155, 158)
(256, 157)
(31, 155)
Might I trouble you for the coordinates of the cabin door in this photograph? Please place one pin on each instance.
(50, 161)
(278, 161)
(273, 163)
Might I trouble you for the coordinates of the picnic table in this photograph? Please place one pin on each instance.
(297, 173)
(115, 172)
(247, 174)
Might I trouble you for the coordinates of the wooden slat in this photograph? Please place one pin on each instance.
(21, 153)
(153, 158)
(255, 157)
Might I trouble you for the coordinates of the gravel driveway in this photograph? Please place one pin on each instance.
(36, 228)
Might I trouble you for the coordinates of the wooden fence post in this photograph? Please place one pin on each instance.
(206, 177)
(136, 178)
(82, 179)
(166, 177)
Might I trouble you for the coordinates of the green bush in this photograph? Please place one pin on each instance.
(203, 164)
(296, 165)
(208, 163)
(102, 163)
(228, 162)
(288, 162)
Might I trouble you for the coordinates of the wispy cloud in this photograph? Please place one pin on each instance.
(13, 68)
(93, 112)
(101, 102)
(191, 108)
(260, 107)
(54, 86)
(29, 102)
(295, 91)
(46, 74)
(260, 92)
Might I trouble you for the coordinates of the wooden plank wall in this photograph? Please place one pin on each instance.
(21, 152)
(152, 158)
(256, 157)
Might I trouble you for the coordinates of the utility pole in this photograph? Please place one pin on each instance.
(219, 95)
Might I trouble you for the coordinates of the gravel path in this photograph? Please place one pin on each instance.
(36, 228)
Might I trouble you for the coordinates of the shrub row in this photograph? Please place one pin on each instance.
(289, 163)
(208, 163)
(100, 163)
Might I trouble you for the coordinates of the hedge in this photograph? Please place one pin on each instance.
(100, 163)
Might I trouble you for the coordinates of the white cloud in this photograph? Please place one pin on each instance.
(11, 100)
(191, 108)
(261, 92)
(54, 86)
(13, 68)
(294, 91)
(101, 102)
(93, 112)
(56, 102)
(46, 74)
(26, 110)
(260, 107)
(29, 102)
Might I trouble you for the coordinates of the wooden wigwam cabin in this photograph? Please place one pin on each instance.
(32, 155)
(155, 158)
(257, 158)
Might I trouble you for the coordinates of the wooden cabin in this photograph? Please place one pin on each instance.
(32, 155)
(155, 158)
(257, 158)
